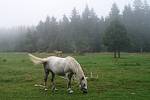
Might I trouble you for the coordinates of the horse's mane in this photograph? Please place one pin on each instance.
(76, 67)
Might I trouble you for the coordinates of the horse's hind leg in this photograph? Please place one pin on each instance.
(45, 78)
(46, 74)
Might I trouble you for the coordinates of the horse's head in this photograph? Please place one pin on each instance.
(83, 84)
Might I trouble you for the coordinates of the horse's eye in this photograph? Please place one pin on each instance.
(82, 78)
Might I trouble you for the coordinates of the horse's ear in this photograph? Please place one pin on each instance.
(86, 77)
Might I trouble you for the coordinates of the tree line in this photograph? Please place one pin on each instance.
(86, 32)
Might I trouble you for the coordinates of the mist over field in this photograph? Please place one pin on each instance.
(72, 25)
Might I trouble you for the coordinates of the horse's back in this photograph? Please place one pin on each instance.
(55, 59)
(57, 65)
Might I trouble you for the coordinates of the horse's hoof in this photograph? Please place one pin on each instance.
(56, 89)
(70, 92)
(35, 85)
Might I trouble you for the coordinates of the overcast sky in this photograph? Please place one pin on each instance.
(30, 12)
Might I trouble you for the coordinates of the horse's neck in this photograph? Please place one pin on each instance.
(79, 73)
(76, 68)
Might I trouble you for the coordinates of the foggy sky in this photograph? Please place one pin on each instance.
(30, 12)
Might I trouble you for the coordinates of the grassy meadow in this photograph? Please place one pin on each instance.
(127, 78)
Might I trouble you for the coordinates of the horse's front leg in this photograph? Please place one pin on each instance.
(69, 83)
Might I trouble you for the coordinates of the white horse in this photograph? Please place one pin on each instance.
(63, 67)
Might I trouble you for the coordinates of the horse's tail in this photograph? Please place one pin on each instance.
(37, 60)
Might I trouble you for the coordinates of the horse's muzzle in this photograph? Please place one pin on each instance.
(84, 90)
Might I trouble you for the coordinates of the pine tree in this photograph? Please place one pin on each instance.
(115, 37)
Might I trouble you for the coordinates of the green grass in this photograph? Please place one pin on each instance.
(127, 78)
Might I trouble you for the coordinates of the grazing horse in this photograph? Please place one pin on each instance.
(66, 67)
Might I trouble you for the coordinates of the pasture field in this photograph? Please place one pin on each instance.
(127, 78)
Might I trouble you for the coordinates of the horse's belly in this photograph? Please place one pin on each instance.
(61, 74)
(59, 71)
